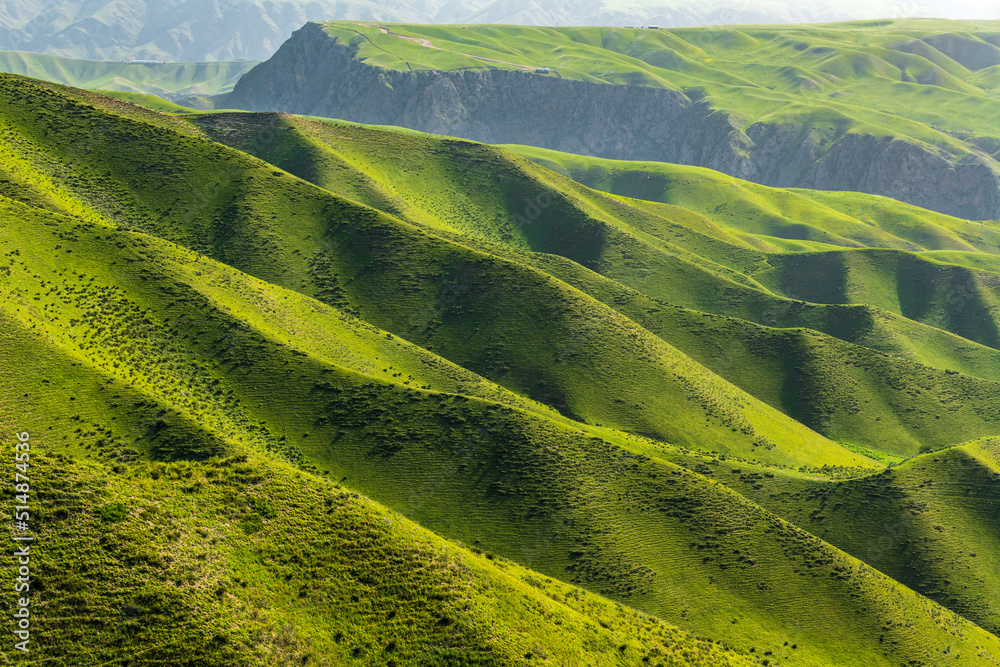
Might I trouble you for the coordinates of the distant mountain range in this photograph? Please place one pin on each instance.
(199, 30)
(174, 81)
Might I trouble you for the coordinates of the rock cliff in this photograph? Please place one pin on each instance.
(315, 74)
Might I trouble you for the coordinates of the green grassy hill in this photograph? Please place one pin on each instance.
(929, 522)
(467, 200)
(357, 258)
(200, 383)
(775, 219)
(603, 241)
(221, 329)
(217, 583)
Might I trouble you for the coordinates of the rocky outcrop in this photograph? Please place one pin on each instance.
(967, 188)
(315, 74)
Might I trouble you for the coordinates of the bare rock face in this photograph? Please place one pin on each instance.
(318, 75)
(877, 165)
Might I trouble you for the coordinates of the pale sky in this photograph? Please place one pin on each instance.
(954, 9)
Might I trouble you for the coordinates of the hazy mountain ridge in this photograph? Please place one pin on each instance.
(174, 30)
(171, 81)
(194, 31)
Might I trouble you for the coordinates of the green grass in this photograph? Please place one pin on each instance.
(241, 327)
(251, 561)
(759, 216)
(459, 464)
(929, 523)
(803, 377)
(852, 394)
(471, 470)
(545, 342)
(577, 352)
(149, 101)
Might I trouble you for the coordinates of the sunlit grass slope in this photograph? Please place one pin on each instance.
(513, 324)
(800, 373)
(252, 562)
(670, 253)
(159, 361)
(149, 101)
(850, 393)
(682, 254)
(931, 522)
(776, 219)
(514, 378)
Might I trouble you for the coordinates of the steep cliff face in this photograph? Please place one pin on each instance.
(967, 188)
(315, 74)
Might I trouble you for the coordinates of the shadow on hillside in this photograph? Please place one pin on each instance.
(956, 303)
(815, 277)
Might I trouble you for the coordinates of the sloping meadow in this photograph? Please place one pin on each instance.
(216, 356)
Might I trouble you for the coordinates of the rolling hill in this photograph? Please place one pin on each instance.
(478, 471)
(929, 522)
(304, 391)
(345, 158)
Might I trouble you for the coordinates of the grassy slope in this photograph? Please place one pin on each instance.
(675, 254)
(801, 375)
(167, 80)
(420, 286)
(211, 362)
(776, 219)
(830, 79)
(850, 393)
(218, 581)
(149, 101)
(637, 528)
(816, 380)
(930, 522)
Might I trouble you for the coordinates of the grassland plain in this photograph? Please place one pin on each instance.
(299, 326)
